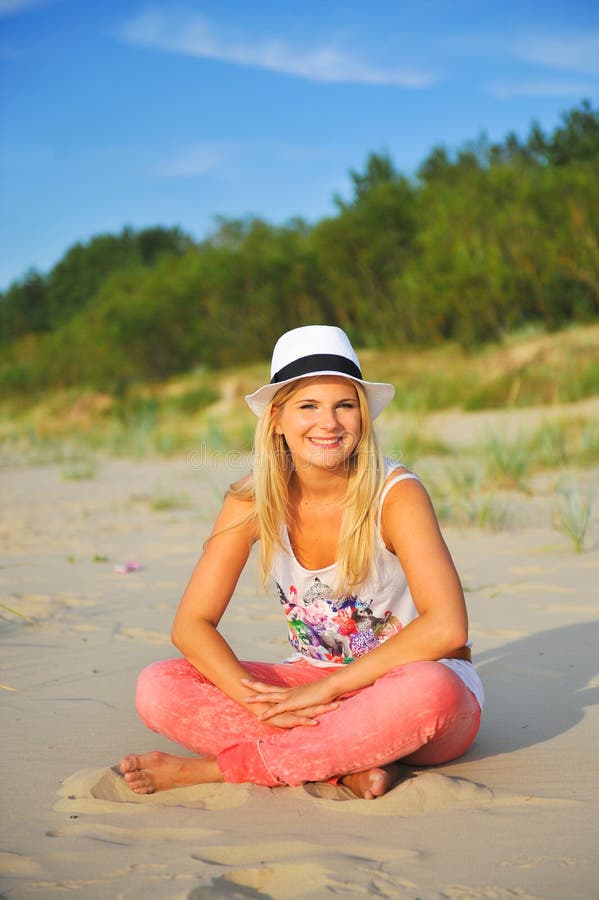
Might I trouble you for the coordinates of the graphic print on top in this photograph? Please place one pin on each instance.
(332, 629)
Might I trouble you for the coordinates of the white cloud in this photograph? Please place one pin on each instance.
(547, 65)
(194, 36)
(198, 159)
(504, 90)
(222, 158)
(561, 52)
(572, 52)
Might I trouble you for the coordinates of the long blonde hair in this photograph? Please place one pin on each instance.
(268, 488)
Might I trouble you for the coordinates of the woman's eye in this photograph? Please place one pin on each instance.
(344, 404)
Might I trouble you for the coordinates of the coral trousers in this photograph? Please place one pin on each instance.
(421, 713)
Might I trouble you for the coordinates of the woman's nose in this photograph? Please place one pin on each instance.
(328, 417)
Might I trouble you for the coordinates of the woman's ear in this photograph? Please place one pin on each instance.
(275, 412)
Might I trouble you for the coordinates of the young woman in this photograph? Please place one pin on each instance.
(375, 611)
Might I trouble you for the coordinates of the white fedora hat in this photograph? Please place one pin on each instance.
(317, 350)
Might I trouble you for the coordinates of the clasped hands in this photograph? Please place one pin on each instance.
(288, 707)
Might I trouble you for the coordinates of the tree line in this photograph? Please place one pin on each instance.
(479, 242)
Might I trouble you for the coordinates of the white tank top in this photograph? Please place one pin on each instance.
(328, 631)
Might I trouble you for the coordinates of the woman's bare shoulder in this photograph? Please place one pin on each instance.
(243, 486)
(240, 495)
(402, 492)
(399, 469)
(237, 513)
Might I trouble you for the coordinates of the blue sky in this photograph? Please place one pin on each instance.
(116, 112)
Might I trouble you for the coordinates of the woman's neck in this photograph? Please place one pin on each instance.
(318, 489)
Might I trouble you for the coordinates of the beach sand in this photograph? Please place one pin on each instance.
(518, 816)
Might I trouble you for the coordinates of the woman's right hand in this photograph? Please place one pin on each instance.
(310, 701)
(290, 720)
(285, 719)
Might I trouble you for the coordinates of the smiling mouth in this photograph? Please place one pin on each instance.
(326, 442)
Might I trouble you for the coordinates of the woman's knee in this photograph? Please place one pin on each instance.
(429, 684)
(432, 700)
(157, 686)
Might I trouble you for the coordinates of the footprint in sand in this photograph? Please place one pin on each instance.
(270, 852)
(270, 882)
(295, 868)
(224, 889)
(17, 864)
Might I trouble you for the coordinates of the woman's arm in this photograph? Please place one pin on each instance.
(206, 597)
(208, 594)
(411, 531)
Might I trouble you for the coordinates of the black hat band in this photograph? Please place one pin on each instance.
(317, 362)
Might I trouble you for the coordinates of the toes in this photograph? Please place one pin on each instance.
(142, 787)
(379, 785)
(129, 763)
(371, 784)
(140, 782)
(132, 777)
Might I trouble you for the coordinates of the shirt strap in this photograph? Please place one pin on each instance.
(403, 476)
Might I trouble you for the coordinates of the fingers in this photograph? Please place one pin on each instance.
(279, 701)
(261, 687)
(264, 693)
(262, 698)
(308, 714)
(293, 721)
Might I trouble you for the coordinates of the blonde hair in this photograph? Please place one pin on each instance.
(268, 488)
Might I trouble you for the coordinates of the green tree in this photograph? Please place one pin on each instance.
(485, 239)
(363, 249)
(24, 308)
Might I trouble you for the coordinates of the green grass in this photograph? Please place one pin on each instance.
(16, 612)
(461, 497)
(71, 427)
(413, 444)
(588, 450)
(164, 501)
(508, 463)
(529, 368)
(573, 513)
(82, 469)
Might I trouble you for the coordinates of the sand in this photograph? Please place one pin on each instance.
(518, 816)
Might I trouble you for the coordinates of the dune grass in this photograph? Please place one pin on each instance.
(529, 368)
(462, 497)
(573, 512)
(203, 416)
(166, 501)
(508, 462)
(208, 408)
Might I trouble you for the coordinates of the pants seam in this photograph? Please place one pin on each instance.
(266, 766)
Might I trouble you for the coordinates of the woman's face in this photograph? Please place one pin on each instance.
(321, 422)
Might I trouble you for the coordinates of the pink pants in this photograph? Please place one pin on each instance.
(421, 713)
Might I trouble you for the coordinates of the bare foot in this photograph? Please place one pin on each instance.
(158, 771)
(373, 783)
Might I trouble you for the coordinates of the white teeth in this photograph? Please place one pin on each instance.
(325, 442)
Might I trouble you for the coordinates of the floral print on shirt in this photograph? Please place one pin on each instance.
(333, 629)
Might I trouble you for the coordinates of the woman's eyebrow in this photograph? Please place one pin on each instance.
(340, 400)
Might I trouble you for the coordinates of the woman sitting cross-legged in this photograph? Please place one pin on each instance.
(376, 618)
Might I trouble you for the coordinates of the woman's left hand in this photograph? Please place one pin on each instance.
(310, 700)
